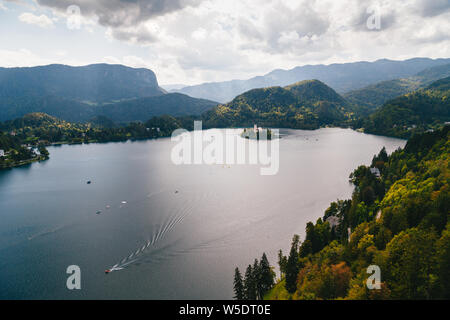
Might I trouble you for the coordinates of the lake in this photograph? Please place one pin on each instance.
(176, 232)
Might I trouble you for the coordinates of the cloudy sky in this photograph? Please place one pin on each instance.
(194, 41)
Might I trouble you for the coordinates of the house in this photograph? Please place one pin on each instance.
(2, 153)
(376, 172)
(256, 129)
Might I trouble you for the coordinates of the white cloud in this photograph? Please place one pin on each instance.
(42, 21)
(193, 41)
(20, 58)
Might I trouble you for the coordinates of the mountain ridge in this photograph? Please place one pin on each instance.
(342, 77)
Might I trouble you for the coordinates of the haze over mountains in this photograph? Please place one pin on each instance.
(341, 77)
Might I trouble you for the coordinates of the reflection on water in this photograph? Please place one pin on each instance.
(169, 232)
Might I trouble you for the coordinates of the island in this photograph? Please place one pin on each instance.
(257, 133)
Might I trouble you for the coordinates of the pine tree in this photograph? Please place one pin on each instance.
(266, 276)
(249, 284)
(292, 266)
(282, 261)
(238, 285)
(256, 272)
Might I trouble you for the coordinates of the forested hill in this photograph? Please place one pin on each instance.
(376, 95)
(303, 105)
(398, 219)
(414, 112)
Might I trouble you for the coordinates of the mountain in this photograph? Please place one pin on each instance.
(93, 84)
(414, 112)
(69, 110)
(341, 77)
(78, 94)
(142, 109)
(376, 95)
(305, 105)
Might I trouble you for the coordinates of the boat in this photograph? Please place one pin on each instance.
(89, 182)
(98, 212)
(107, 271)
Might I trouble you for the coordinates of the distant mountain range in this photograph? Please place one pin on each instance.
(341, 77)
(307, 104)
(107, 95)
(78, 94)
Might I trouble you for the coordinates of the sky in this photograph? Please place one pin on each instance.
(195, 41)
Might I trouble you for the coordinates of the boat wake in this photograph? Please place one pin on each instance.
(159, 234)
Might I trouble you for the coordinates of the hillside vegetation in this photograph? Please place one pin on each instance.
(24, 139)
(376, 95)
(418, 111)
(303, 105)
(398, 221)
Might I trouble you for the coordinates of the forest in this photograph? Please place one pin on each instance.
(419, 111)
(397, 220)
(20, 138)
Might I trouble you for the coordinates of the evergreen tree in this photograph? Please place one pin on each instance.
(266, 275)
(292, 266)
(282, 261)
(238, 285)
(256, 273)
(249, 284)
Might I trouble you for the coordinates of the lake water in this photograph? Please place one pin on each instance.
(195, 223)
